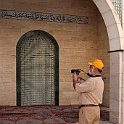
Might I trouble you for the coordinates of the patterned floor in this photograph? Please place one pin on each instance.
(42, 114)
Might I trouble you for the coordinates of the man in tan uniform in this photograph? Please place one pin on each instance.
(90, 93)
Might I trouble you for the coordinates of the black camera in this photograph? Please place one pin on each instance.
(77, 71)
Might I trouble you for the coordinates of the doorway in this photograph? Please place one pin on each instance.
(37, 69)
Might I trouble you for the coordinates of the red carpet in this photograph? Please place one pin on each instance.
(41, 114)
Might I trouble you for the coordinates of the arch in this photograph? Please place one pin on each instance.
(115, 34)
(114, 27)
(37, 69)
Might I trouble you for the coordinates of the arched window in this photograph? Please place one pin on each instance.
(37, 67)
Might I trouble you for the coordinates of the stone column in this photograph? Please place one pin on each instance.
(116, 42)
(117, 87)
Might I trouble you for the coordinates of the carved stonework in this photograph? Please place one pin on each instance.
(39, 16)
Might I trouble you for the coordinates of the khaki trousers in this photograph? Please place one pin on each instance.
(89, 115)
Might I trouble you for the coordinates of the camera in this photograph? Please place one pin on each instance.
(77, 71)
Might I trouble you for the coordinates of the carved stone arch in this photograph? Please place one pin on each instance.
(115, 34)
(112, 22)
(37, 67)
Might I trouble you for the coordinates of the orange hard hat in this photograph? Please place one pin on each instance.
(97, 63)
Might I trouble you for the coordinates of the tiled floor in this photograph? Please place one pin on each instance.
(38, 122)
(105, 122)
(44, 114)
(101, 122)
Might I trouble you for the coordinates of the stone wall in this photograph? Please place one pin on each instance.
(103, 48)
(78, 43)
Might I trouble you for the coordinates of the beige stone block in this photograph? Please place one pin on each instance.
(7, 51)
(109, 16)
(103, 5)
(65, 101)
(114, 32)
(8, 96)
(8, 41)
(72, 52)
(91, 45)
(74, 102)
(114, 43)
(114, 56)
(72, 65)
(65, 86)
(114, 84)
(115, 68)
(114, 117)
(73, 43)
(114, 106)
(69, 95)
(105, 56)
(106, 99)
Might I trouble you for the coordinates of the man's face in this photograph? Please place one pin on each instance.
(92, 69)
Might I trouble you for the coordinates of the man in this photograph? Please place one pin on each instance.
(90, 93)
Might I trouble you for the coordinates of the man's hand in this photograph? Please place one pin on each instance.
(76, 79)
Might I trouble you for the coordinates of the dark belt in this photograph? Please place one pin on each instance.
(88, 105)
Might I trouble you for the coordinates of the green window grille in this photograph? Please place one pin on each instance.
(37, 69)
(118, 7)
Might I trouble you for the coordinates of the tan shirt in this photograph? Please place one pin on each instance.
(90, 91)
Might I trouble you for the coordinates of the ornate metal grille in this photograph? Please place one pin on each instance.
(118, 7)
(37, 69)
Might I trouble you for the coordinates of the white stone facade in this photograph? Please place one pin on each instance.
(116, 42)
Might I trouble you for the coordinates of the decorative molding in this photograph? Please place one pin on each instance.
(115, 51)
(39, 16)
